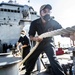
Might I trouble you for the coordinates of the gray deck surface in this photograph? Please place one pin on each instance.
(41, 73)
(63, 59)
(9, 60)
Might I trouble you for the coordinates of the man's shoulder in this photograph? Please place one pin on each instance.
(25, 36)
(55, 24)
(53, 21)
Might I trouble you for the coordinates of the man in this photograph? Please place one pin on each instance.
(44, 24)
(23, 44)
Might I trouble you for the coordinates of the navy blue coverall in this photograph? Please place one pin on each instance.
(46, 45)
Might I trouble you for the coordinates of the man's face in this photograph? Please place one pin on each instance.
(45, 15)
(23, 33)
(45, 12)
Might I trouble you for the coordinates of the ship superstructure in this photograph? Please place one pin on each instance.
(13, 17)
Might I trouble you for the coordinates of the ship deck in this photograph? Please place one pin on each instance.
(63, 59)
(41, 73)
(41, 69)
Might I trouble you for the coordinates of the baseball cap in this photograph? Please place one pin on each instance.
(45, 6)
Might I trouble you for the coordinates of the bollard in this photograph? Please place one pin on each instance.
(9, 65)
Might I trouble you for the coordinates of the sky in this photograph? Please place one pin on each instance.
(62, 10)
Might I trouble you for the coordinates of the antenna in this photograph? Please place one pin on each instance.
(15, 1)
(10, 1)
(28, 1)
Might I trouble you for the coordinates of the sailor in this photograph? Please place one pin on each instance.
(23, 44)
(44, 24)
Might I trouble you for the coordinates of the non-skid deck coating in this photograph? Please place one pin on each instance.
(41, 73)
(63, 59)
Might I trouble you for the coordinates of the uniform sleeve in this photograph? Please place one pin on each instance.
(19, 39)
(32, 29)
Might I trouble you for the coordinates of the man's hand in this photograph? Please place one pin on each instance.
(36, 38)
(72, 36)
(21, 47)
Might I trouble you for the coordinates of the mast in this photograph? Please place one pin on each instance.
(10, 1)
(15, 1)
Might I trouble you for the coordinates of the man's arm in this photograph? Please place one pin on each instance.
(18, 44)
(23, 46)
(72, 36)
(65, 35)
(36, 39)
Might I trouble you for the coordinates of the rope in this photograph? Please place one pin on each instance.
(48, 34)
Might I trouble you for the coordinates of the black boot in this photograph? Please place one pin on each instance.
(27, 73)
